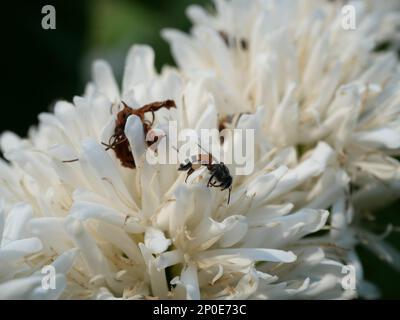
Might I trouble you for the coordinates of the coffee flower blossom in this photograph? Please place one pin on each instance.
(286, 73)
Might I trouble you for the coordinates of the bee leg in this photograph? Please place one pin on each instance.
(229, 194)
(153, 117)
(223, 186)
(209, 180)
(191, 170)
(218, 185)
(69, 161)
(108, 146)
(185, 167)
(111, 143)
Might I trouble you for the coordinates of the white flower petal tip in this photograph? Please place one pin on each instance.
(9, 141)
(20, 248)
(155, 240)
(104, 79)
(139, 67)
(383, 137)
(271, 255)
(33, 288)
(65, 261)
(135, 135)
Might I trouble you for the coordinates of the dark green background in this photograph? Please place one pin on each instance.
(42, 66)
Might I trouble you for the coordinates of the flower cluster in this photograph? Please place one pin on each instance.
(325, 109)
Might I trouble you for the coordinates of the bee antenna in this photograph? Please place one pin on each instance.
(69, 161)
(203, 148)
(208, 152)
(173, 147)
(229, 194)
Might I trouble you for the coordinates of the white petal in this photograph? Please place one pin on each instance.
(93, 256)
(190, 281)
(235, 232)
(83, 210)
(139, 67)
(9, 141)
(382, 137)
(158, 279)
(65, 261)
(31, 289)
(310, 167)
(155, 241)
(102, 171)
(20, 248)
(271, 255)
(185, 53)
(16, 223)
(264, 184)
(105, 81)
(168, 259)
(134, 133)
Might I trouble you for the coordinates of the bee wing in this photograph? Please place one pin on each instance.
(206, 156)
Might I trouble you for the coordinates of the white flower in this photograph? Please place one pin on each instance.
(325, 111)
(116, 232)
(311, 80)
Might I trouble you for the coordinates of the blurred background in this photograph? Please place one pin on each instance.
(43, 66)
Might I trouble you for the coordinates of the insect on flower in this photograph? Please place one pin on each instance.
(119, 142)
(220, 175)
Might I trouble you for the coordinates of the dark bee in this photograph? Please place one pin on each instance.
(220, 175)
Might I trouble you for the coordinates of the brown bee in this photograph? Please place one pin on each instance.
(118, 141)
(219, 171)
